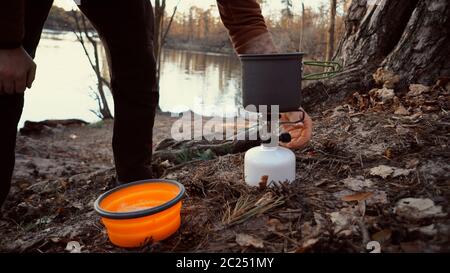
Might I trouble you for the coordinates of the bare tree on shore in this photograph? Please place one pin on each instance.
(331, 30)
(161, 33)
(84, 35)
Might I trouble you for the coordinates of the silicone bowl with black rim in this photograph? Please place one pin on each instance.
(141, 211)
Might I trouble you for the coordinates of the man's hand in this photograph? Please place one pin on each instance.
(300, 132)
(17, 71)
(262, 44)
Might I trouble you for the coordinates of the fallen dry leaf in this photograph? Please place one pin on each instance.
(417, 209)
(339, 111)
(427, 230)
(320, 219)
(417, 89)
(307, 245)
(386, 78)
(412, 247)
(310, 231)
(166, 164)
(275, 225)
(344, 221)
(382, 236)
(362, 102)
(55, 239)
(401, 110)
(357, 183)
(412, 163)
(401, 172)
(384, 95)
(378, 197)
(249, 240)
(383, 171)
(360, 196)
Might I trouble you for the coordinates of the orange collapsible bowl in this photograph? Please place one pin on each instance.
(142, 211)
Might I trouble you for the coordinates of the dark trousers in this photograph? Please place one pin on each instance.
(126, 29)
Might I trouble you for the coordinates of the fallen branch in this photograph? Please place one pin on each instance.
(179, 166)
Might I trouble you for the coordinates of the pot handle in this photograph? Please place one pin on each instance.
(334, 69)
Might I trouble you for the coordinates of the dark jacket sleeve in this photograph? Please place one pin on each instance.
(243, 19)
(11, 23)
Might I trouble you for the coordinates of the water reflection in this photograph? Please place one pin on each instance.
(207, 84)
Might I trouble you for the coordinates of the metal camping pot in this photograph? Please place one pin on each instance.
(276, 79)
(272, 79)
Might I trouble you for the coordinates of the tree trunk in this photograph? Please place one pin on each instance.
(331, 30)
(423, 52)
(104, 110)
(81, 30)
(408, 37)
(302, 29)
(372, 31)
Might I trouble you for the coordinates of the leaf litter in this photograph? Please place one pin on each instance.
(392, 170)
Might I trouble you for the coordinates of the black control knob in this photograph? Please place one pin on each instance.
(285, 137)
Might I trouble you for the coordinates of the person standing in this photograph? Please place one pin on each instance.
(126, 29)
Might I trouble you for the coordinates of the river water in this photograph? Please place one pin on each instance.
(208, 84)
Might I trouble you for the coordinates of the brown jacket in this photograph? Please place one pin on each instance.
(242, 18)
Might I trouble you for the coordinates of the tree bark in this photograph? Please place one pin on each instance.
(407, 37)
(423, 52)
(372, 31)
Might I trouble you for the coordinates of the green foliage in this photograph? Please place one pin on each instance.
(98, 124)
(184, 156)
(206, 155)
(187, 155)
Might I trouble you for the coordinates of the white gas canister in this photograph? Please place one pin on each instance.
(278, 163)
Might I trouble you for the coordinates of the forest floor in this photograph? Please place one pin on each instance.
(377, 169)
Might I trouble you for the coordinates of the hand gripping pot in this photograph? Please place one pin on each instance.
(272, 79)
(142, 211)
